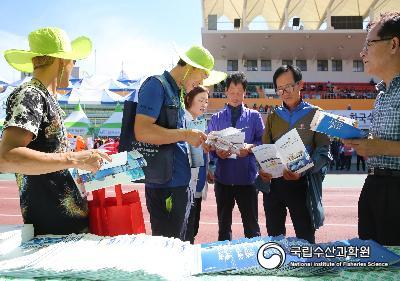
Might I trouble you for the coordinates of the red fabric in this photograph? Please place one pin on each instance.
(348, 150)
(117, 215)
(111, 147)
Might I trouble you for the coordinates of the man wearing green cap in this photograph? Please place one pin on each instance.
(34, 143)
(159, 121)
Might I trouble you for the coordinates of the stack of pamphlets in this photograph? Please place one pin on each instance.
(229, 139)
(125, 257)
(12, 236)
(143, 257)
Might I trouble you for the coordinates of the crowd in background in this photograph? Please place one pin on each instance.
(79, 143)
(343, 155)
(326, 90)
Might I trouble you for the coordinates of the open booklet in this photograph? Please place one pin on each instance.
(287, 152)
(336, 126)
(125, 168)
(229, 139)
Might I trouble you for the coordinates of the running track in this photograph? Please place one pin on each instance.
(340, 197)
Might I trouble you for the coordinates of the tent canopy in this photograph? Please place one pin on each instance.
(112, 126)
(77, 122)
(20, 82)
(63, 99)
(102, 82)
(97, 82)
(123, 76)
(3, 81)
(3, 100)
(93, 96)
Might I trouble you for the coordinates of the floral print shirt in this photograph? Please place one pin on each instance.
(51, 202)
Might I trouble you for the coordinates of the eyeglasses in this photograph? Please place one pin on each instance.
(368, 42)
(288, 89)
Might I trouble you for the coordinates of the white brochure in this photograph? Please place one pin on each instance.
(288, 152)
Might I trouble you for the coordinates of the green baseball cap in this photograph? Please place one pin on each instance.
(48, 41)
(200, 57)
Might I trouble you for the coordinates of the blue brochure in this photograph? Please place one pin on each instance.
(336, 126)
(280, 256)
(125, 168)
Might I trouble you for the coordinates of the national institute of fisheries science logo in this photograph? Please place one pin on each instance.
(271, 255)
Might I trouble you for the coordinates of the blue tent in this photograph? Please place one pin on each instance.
(20, 82)
(63, 99)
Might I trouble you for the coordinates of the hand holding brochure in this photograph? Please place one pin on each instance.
(124, 168)
(288, 152)
(229, 139)
(196, 153)
(336, 126)
(198, 124)
(268, 157)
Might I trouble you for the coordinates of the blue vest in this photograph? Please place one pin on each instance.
(159, 158)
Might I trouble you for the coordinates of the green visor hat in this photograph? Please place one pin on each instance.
(200, 57)
(52, 42)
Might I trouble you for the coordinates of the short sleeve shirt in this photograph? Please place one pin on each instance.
(51, 202)
(150, 101)
(386, 122)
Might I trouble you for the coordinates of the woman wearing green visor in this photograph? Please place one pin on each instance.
(34, 143)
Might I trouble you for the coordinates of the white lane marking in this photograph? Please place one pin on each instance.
(287, 224)
(7, 215)
(325, 206)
